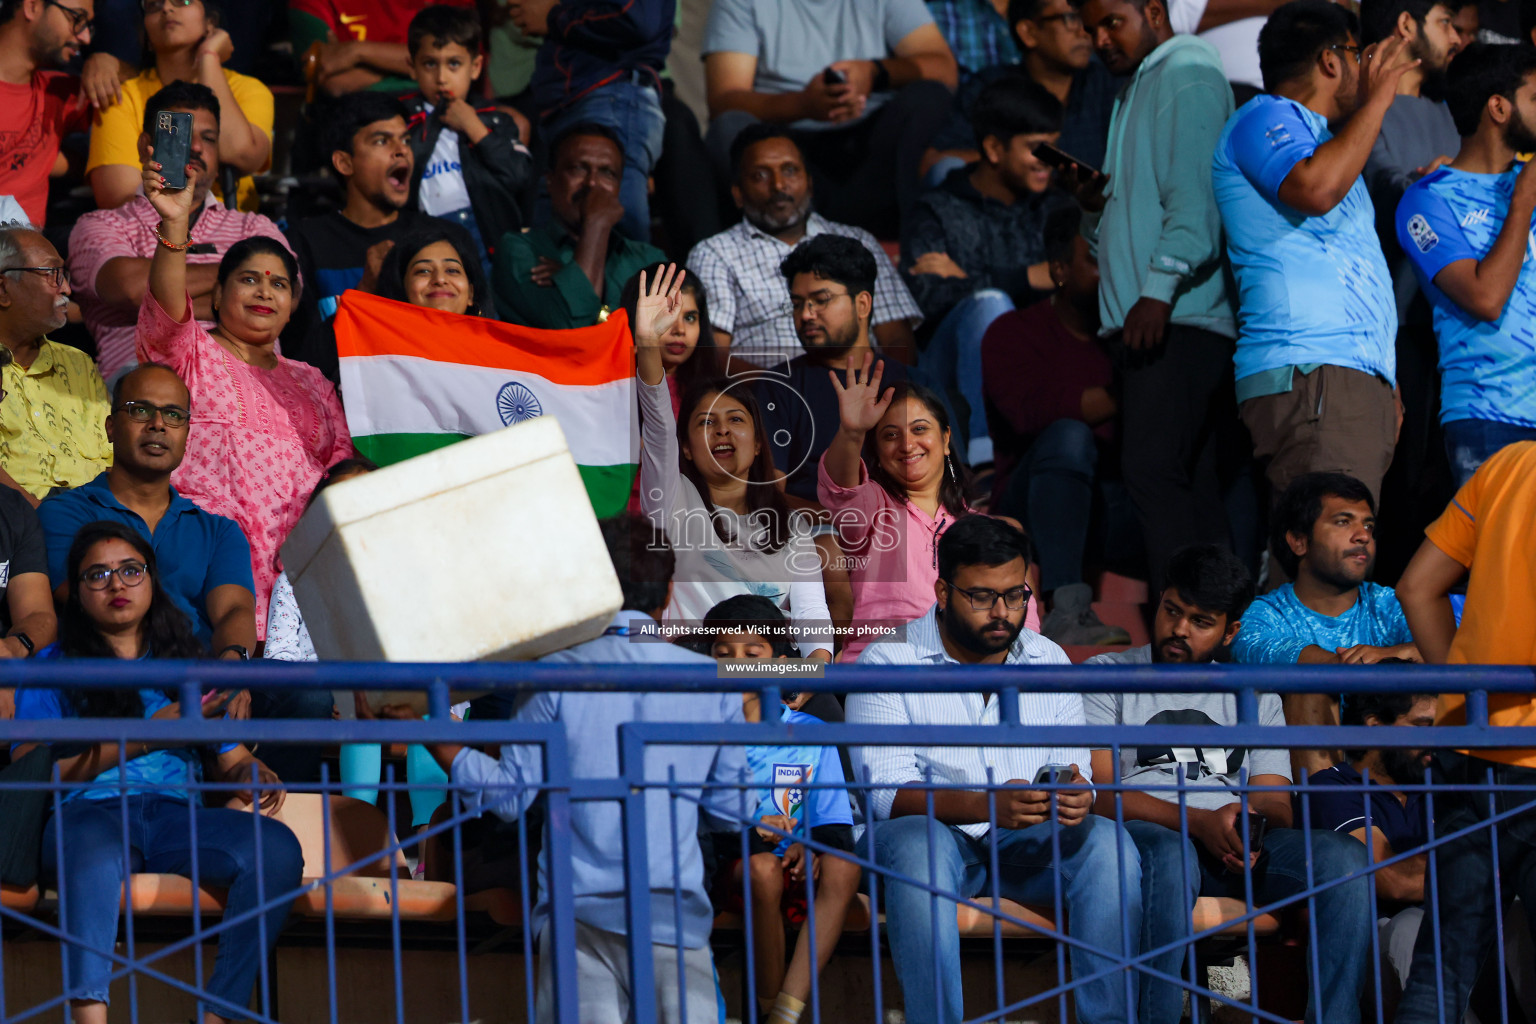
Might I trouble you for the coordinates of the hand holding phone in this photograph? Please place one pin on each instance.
(1054, 775)
(832, 76)
(173, 146)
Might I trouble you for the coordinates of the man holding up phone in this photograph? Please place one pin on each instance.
(1198, 615)
(978, 619)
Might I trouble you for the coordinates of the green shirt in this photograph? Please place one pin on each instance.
(569, 300)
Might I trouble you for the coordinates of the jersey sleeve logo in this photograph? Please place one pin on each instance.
(1422, 234)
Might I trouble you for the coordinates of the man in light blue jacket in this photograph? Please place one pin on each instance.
(1162, 286)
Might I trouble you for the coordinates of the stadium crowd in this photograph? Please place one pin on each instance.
(1230, 297)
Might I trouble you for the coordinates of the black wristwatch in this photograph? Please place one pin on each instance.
(240, 649)
(26, 642)
(882, 82)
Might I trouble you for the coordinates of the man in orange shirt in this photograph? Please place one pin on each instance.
(1489, 530)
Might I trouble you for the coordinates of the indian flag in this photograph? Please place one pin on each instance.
(417, 379)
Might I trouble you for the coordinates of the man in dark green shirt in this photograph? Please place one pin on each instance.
(571, 273)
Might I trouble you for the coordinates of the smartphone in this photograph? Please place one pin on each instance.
(831, 77)
(1053, 157)
(215, 700)
(173, 146)
(1053, 774)
(1257, 826)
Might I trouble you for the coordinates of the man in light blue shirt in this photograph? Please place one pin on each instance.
(1466, 229)
(502, 786)
(979, 620)
(1316, 361)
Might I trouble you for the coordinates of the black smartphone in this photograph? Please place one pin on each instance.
(1053, 157)
(831, 77)
(1053, 774)
(1257, 826)
(173, 146)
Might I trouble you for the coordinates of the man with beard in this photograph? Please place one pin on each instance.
(1399, 821)
(1316, 361)
(978, 619)
(571, 272)
(1200, 611)
(1323, 534)
(799, 404)
(110, 250)
(748, 304)
(38, 106)
(1467, 228)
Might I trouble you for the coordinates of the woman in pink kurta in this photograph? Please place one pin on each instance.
(890, 522)
(264, 428)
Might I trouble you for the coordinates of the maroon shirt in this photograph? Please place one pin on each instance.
(1035, 372)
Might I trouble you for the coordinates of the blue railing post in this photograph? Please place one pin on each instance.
(637, 878)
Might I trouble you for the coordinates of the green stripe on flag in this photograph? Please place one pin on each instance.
(607, 486)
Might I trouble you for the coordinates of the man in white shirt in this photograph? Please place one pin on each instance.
(978, 619)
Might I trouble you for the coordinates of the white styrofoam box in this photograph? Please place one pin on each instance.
(485, 549)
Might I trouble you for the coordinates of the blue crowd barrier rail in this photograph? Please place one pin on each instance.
(1014, 894)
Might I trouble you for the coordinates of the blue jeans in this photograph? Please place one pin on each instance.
(1051, 492)
(632, 108)
(953, 360)
(159, 836)
(1463, 897)
(1094, 904)
(1469, 443)
(1174, 872)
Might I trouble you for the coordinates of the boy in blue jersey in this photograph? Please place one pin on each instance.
(751, 626)
(1316, 360)
(1467, 231)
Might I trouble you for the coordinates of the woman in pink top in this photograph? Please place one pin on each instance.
(264, 428)
(892, 488)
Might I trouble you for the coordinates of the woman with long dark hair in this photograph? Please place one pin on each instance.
(425, 268)
(116, 609)
(689, 354)
(893, 486)
(708, 480)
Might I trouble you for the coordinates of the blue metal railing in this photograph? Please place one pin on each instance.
(630, 787)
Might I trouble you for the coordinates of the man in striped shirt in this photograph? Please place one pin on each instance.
(978, 619)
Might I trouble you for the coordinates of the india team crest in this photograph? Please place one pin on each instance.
(789, 781)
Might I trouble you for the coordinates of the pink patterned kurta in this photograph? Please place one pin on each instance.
(260, 439)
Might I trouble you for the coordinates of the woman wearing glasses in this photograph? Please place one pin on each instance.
(893, 488)
(264, 428)
(188, 46)
(116, 609)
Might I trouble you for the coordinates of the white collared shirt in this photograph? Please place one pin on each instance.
(903, 766)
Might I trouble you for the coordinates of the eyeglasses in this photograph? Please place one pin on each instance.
(79, 21)
(54, 274)
(143, 412)
(156, 6)
(1356, 50)
(815, 305)
(1068, 19)
(99, 577)
(984, 600)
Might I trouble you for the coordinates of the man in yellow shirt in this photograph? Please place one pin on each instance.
(1489, 530)
(53, 422)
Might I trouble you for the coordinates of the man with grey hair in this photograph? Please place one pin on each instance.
(53, 428)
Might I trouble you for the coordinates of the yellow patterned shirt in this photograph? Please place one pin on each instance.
(53, 429)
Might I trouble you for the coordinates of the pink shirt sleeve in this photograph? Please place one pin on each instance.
(94, 241)
(864, 500)
(159, 339)
(344, 449)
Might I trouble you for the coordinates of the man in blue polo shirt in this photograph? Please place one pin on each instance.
(1316, 360)
(1466, 228)
(205, 561)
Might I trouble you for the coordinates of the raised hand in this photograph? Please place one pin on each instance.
(859, 401)
(173, 205)
(1382, 66)
(658, 307)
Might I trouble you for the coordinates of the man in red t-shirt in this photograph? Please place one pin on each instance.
(38, 107)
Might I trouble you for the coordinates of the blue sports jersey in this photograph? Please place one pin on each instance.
(1311, 290)
(1487, 369)
(783, 773)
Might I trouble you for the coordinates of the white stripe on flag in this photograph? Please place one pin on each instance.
(410, 395)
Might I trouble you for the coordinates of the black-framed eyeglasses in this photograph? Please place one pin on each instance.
(984, 600)
(79, 20)
(99, 577)
(144, 412)
(55, 275)
(156, 6)
(1068, 19)
(1348, 47)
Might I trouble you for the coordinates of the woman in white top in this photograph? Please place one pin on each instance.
(708, 481)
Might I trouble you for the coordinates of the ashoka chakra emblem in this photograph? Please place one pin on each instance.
(517, 404)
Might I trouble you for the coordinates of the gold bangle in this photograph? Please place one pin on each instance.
(170, 244)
